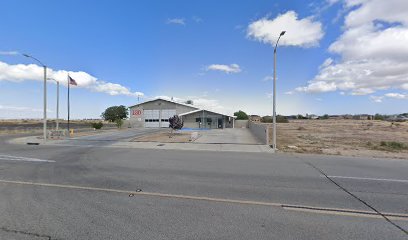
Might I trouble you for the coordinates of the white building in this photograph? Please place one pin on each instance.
(156, 113)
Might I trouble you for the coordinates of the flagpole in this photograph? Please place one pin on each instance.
(68, 105)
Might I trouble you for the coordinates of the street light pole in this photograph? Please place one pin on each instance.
(57, 125)
(274, 93)
(45, 95)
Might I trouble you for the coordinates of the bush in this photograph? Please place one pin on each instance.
(119, 123)
(97, 125)
(378, 117)
(279, 119)
(393, 145)
(324, 117)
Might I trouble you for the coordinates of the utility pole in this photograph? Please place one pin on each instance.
(57, 120)
(45, 95)
(274, 93)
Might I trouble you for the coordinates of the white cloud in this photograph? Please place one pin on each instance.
(400, 96)
(316, 87)
(299, 32)
(397, 95)
(267, 78)
(22, 109)
(373, 50)
(115, 89)
(232, 68)
(377, 99)
(177, 21)
(18, 112)
(331, 2)
(197, 19)
(9, 53)
(21, 72)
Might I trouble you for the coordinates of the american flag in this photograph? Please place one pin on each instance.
(72, 81)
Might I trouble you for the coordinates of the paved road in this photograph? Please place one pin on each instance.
(77, 192)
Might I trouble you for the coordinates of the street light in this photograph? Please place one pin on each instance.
(274, 92)
(57, 127)
(45, 94)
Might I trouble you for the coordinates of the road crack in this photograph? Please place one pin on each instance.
(358, 199)
(26, 233)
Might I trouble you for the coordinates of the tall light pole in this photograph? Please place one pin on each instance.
(274, 92)
(57, 126)
(45, 95)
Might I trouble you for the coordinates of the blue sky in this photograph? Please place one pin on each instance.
(217, 53)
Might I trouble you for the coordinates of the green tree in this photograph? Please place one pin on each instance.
(115, 114)
(266, 119)
(378, 117)
(325, 116)
(300, 116)
(241, 115)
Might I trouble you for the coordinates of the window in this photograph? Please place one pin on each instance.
(198, 119)
(209, 120)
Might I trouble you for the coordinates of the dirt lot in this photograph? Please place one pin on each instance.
(344, 137)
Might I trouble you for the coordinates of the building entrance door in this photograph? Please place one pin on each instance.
(220, 123)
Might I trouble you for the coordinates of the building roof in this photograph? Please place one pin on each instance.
(199, 110)
(183, 104)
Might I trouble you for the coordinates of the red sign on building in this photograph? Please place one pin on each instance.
(137, 112)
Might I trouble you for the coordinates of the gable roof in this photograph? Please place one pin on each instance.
(199, 110)
(156, 99)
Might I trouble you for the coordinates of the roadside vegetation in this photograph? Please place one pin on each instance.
(97, 125)
(390, 146)
(115, 114)
(241, 115)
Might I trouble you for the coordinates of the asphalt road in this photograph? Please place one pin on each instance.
(77, 192)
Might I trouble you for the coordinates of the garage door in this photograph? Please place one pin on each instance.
(152, 117)
(166, 114)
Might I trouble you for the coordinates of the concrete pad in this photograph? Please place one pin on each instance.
(196, 146)
(228, 135)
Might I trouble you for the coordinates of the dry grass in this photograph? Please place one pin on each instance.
(345, 137)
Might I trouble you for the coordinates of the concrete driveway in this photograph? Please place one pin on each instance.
(228, 136)
(119, 135)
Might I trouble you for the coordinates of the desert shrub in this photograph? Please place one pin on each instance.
(393, 145)
(396, 145)
(378, 117)
(97, 125)
(281, 119)
(324, 117)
